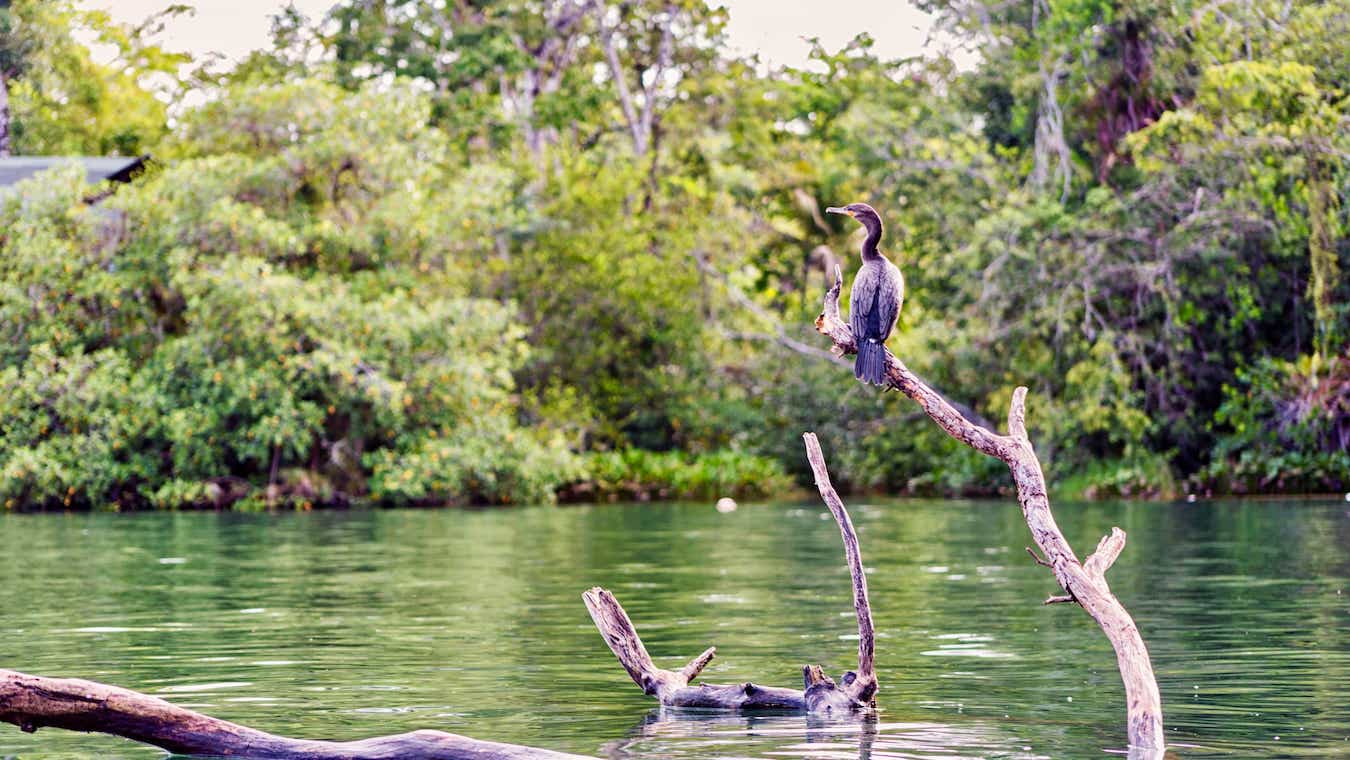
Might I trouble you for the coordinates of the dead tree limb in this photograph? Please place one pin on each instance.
(1084, 582)
(820, 693)
(865, 681)
(32, 702)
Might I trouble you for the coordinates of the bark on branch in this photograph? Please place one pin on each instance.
(866, 675)
(820, 693)
(641, 124)
(1083, 582)
(32, 702)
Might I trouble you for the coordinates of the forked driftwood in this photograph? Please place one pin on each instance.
(32, 702)
(1084, 582)
(820, 693)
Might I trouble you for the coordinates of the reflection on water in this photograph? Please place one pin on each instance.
(678, 733)
(345, 625)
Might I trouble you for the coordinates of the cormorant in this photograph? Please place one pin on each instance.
(874, 306)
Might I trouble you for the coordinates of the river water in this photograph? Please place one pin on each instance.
(343, 625)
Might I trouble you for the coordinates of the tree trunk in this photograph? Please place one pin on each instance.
(1084, 582)
(6, 146)
(820, 694)
(31, 702)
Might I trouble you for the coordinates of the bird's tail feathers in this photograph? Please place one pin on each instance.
(870, 366)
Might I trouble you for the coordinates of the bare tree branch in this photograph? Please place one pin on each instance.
(32, 702)
(791, 344)
(664, 56)
(865, 683)
(821, 694)
(1108, 549)
(616, 72)
(1037, 558)
(1084, 584)
(780, 335)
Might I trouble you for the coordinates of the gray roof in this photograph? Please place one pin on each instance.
(97, 169)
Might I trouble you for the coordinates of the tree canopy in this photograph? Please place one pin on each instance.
(503, 251)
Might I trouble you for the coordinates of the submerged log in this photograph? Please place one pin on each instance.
(1084, 582)
(32, 702)
(819, 694)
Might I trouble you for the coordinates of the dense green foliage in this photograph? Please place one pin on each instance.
(497, 252)
(219, 322)
(640, 474)
(55, 98)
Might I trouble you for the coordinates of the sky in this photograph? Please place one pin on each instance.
(774, 28)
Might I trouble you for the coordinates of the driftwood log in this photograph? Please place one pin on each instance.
(32, 702)
(1084, 582)
(820, 694)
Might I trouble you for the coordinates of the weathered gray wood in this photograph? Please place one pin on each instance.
(32, 702)
(1084, 582)
(672, 687)
(820, 693)
(861, 685)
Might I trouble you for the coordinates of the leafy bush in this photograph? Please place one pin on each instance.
(1286, 426)
(248, 329)
(488, 466)
(641, 474)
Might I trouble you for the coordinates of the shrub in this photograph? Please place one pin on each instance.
(1284, 426)
(642, 474)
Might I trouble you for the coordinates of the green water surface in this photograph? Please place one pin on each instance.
(349, 624)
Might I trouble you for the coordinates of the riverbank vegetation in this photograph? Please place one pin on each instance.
(502, 253)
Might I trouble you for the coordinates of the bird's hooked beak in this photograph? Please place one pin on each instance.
(838, 210)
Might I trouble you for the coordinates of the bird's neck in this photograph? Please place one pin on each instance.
(869, 247)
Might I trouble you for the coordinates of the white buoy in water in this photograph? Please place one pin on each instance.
(726, 504)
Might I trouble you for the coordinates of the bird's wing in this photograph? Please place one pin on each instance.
(859, 300)
(890, 307)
